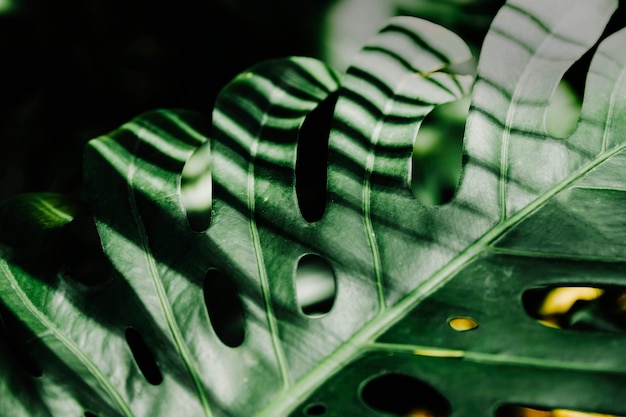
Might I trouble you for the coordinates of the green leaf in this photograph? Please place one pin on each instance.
(177, 321)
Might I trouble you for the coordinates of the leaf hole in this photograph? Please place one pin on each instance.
(16, 335)
(316, 286)
(89, 414)
(312, 160)
(143, 356)
(437, 153)
(563, 111)
(578, 308)
(315, 410)
(224, 307)
(196, 188)
(462, 323)
(511, 410)
(565, 105)
(404, 395)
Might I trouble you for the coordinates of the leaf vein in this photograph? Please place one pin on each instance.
(158, 286)
(70, 345)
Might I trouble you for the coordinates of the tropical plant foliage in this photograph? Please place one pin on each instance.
(164, 312)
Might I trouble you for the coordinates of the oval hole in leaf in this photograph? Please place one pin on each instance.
(566, 103)
(437, 153)
(316, 409)
(316, 286)
(143, 356)
(196, 188)
(224, 307)
(462, 323)
(578, 307)
(404, 395)
(563, 111)
(16, 335)
(312, 160)
(511, 410)
(89, 414)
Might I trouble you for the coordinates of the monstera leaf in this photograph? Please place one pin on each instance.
(426, 310)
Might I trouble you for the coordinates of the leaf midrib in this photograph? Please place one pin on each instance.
(363, 339)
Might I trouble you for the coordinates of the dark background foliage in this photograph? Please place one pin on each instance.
(76, 69)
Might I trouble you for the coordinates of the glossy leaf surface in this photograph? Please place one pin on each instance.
(530, 211)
